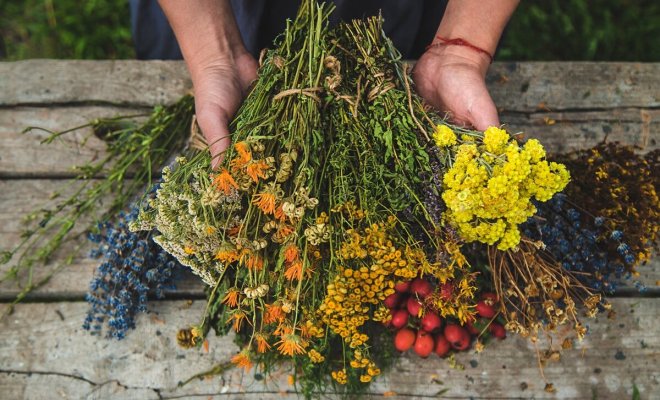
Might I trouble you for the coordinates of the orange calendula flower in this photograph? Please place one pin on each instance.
(244, 156)
(291, 253)
(290, 345)
(284, 230)
(242, 359)
(225, 182)
(227, 255)
(257, 170)
(254, 262)
(189, 250)
(262, 343)
(237, 319)
(265, 201)
(294, 271)
(279, 213)
(231, 298)
(273, 313)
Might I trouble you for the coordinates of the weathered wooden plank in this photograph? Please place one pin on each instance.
(126, 82)
(46, 339)
(565, 131)
(19, 197)
(515, 86)
(529, 86)
(23, 154)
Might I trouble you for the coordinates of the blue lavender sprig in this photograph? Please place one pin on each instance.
(133, 265)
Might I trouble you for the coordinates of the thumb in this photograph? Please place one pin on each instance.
(484, 114)
(214, 124)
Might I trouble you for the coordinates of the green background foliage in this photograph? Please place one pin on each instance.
(92, 29)
(599, 30)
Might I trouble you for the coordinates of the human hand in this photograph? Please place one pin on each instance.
(452, 79)
(220, 86)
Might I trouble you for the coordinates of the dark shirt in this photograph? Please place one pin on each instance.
(410, 24)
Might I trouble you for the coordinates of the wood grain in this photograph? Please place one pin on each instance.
(24, 155)
(515, 86)
(557, 86)
(18, 198)
(125, 82)
(48, 354)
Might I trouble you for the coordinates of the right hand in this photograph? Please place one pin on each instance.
(220, 87)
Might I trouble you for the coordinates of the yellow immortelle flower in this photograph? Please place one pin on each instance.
(444, 136)
(489, 187)
(495, 140)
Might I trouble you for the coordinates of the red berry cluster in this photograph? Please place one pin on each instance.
(421, 328)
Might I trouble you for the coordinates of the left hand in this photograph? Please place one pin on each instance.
(452, 79)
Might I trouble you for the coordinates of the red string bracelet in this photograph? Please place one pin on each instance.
(459, 42)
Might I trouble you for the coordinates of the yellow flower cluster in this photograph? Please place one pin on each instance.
(340, 376)
(444, 136)
(370, 369)
(489, 187)
(315, 356)
(378, 263)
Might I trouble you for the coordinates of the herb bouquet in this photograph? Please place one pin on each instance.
(349, 222)
(337, 218)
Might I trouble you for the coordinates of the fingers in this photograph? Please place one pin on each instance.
(483, 114)
(214, 123)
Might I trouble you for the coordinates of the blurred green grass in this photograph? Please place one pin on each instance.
(598, 30)
(583, 30)
(93, 29)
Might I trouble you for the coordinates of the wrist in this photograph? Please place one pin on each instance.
(451, 55)
(206, 31)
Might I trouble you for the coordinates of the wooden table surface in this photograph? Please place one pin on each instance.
(45, 354)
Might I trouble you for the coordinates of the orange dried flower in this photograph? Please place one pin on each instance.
(273, 313)
(227, 255)
(231, 298)
(294, 271)
(291, 253)
(254, 262)
(265, 201)
(237, 319)
(244, 156)
(242, 359)
(290, 345)
(257, 170)
(234, 230)
(279, 213)
(225, 182)
(262, 343)
(284, 230)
